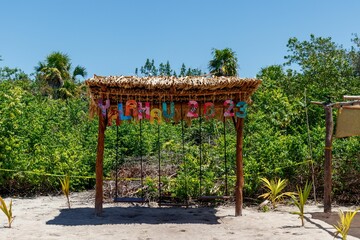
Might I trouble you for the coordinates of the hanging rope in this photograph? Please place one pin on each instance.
(310, 147)
(200, 150)
(117, 161)
(225, 159)
(159, 158)
(183, 154)
(141, 161)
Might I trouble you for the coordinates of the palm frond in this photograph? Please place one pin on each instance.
(224, 62)
(343, 226)
(274, 190)
(79, 71)
(65, 187)
(299, 200)
(40, 67)
(7, 210)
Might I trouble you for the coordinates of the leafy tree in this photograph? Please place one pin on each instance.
(326, 69)
(12, 74)
(168, 70)
(69, 90)
(7, 73)
(161, 69)
(224, 62)
(182, 70)
(56, 70)
(165, 69)
(193, 72)
(43, 136)
(355, 54)
(278, 116)
(78, 71)
(149, 68)
(189, 71)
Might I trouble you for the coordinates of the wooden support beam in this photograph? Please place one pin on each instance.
(346, 97)
(99, 165)
(328, 159)
(338, 104)
(239, 167)
(317, 103)
(344, 104)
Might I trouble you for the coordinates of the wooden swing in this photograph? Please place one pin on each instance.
(129, 199)
(225, 196)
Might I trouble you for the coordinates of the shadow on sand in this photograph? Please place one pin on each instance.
(135, 215)
(333, 218)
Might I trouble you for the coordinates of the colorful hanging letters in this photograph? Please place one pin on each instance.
(229, 112)
(172, 110)
(121, 112)
(209, 110)
(131, 106)
(141, 110)
(155, 114)
(193, 105)
(242, 109)
(104, 107)
(113, 114)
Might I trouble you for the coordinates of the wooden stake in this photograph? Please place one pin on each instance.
(328, 158)
(239, 167)
(99, 165)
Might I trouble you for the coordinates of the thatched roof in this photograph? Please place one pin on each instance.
(162, 88)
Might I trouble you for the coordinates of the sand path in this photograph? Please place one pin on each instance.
(47, 217)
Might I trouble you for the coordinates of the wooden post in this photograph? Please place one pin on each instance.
(99, 165)
(328, 158)
(328, 145)
(239, 167)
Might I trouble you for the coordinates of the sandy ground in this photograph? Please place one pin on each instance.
(47, 217)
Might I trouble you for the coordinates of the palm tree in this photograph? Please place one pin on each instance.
(224, 62)
(56, 70)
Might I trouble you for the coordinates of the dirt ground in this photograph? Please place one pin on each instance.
(47, 217)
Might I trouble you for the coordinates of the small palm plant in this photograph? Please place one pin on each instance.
(343, 226)
(300, 200)
(65, 187)
(7, 211)
(274, 190)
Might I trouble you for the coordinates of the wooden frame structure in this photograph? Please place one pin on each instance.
(329, 123)
(178, 90)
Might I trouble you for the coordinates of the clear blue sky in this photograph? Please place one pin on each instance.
(113, 37)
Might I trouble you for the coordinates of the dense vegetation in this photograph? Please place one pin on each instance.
(45, 130)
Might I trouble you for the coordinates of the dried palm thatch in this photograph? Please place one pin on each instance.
(163, 88)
